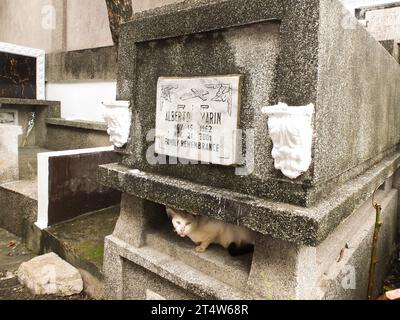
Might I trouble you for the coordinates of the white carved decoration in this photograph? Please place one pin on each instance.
(40, 64)
(291, 131)
(118, 119)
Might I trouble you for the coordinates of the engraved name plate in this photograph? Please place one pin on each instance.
(197, 118)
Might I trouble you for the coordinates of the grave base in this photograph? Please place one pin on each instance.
(150, 260)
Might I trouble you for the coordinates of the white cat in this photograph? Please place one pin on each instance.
(204, 231)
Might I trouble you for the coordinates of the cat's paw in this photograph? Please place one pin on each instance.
(200, 249)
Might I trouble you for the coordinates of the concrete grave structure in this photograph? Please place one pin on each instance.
(297, 53)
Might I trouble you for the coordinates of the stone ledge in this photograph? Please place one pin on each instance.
(28, 102)
(81, 124)
(215, 262)
(308, 226)
(175, 271)
(26, 188)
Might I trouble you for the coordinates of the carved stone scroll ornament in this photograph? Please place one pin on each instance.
(118, 119)
(291, 131)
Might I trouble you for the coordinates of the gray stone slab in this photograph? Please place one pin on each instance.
(169, 270)
(18, 206)
(81, 124)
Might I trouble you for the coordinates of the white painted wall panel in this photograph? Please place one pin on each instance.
(81, 100)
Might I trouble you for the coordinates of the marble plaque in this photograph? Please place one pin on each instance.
(197, 118)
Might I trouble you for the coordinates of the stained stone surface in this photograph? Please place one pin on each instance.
(309, 226)
(80, 65)
(9, 152)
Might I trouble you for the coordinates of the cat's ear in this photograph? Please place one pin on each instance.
(171, 212)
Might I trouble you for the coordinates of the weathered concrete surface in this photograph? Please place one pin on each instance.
(88, 64)
(49, 274)
(81, 242)
(393, 47)
(18, 206)
(309, 226)
(131, 271)
(61, 137)
(348, 89)
(345, 275)
(282, 271)
(28, 162)
(279, 269)
(144, 223)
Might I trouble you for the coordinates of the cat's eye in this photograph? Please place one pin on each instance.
(178, 222)
(188, 224)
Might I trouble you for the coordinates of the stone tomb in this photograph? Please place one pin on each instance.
(304, 176)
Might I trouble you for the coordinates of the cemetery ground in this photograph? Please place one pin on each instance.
(13, 252)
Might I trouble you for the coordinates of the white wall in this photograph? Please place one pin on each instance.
(81, 100)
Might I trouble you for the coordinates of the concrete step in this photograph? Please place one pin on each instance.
(80, 242)
(65, 134)
(168, 268)
(215, 262)
(18, 207)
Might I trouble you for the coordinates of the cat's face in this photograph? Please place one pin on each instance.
(183, 222)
